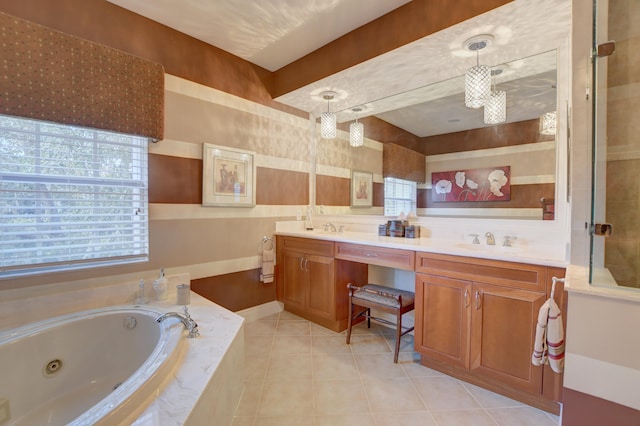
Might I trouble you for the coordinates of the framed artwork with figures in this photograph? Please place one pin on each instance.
(361, 189)
(228, 177)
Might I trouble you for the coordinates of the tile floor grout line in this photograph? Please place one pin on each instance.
(264, 378)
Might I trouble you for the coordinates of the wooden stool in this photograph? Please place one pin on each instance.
(386, 299)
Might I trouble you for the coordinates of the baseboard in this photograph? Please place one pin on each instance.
(256, 312)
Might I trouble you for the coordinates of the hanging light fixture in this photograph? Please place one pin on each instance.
(548, 123)
(495, 110)
(477, 81)
(328, 119)
(356, 130)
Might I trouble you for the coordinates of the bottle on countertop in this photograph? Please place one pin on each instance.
(161, 286)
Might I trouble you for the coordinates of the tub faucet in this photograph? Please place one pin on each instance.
(186, 320)
(491, 240)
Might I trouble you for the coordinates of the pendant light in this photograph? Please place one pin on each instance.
(356, 130)
(495, 110)
(548, 123)
(328, 120)
(477, 81)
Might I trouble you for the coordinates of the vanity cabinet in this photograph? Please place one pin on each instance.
(312, 283)
(476, 319)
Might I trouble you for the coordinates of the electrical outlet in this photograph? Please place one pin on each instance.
(4, 411)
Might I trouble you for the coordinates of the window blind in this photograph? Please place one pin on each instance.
(70, 197)
(399, 196)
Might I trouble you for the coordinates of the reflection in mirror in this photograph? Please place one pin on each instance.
(455, 138)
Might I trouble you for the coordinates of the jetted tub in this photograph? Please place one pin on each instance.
(94, 367)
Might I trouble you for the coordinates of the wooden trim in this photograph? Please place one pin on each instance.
(236, 291)
(333, 191)
(403, 163)
(501, 135)
(373, 255)
(511, 274)
(307, 246)
(175, 180)
(281, 187)
(588, 410)
(410, 22)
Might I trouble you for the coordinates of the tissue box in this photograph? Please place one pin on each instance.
(412, 231)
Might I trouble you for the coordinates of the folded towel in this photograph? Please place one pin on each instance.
(268, 257)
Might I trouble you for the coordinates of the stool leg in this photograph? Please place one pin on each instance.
(368, 317)
(349, 321)
(398, 336)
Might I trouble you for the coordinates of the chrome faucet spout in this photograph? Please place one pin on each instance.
(189, 324)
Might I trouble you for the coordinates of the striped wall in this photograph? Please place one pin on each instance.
(214, 97)
(220, 246)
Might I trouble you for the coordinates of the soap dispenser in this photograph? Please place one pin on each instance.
(161, 286)
(141, 298)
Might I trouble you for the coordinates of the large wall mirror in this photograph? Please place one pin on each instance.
(456, 138)
(419, 87)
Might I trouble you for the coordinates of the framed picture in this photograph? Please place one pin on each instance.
(228, 177)
(488, 184)
(361, 189)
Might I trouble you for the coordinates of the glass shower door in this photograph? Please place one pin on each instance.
(615, 258)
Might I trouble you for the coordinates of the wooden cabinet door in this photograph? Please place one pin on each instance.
(503, 330)
(321, 297)
(294, 280)
(443, 318)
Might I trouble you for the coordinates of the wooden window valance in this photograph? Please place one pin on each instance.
(402, 163)
(53, 76)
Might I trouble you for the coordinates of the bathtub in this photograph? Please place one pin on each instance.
(93, 367)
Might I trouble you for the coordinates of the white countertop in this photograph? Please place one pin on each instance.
(539, 255)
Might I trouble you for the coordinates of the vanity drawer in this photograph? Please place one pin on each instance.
(392, 258)
(509, 274)
(308, 246)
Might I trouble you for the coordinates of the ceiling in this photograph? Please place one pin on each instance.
(274, 34)
(270, 34)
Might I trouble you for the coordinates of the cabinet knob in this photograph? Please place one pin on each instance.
(466, 297)
(478, 300)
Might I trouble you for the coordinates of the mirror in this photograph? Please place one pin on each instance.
(437, 115)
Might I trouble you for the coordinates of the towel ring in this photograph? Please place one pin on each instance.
(266, 240)
(554, 280)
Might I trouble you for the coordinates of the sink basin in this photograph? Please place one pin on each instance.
(487, 248)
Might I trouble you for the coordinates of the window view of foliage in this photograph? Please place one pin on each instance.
(69, 195)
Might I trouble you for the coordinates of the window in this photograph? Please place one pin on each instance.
(399, 196)
(70, 197)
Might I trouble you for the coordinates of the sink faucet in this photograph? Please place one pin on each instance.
(330, 225)
(491, 240)
(508, 239)
(186, 320)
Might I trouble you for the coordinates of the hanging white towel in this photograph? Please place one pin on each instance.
(539, 356)
(268, 257)
(555, 338)
(548, 346)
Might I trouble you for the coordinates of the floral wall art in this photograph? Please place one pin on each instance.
(490, 184)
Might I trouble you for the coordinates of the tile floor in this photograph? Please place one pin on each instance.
(299, 373)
